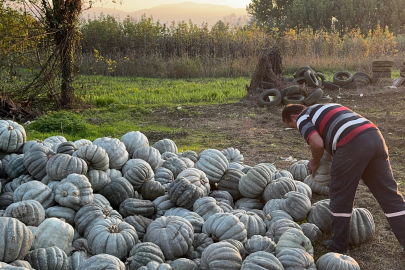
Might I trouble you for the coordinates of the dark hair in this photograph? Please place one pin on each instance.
(292, 109)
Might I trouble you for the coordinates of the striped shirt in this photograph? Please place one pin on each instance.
(336, 124)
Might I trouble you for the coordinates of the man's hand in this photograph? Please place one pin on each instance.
(312, 167)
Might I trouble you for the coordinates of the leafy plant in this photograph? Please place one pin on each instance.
(62, 121)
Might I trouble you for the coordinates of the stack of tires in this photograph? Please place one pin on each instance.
(382, 71)
(309, 76)
(362, 78)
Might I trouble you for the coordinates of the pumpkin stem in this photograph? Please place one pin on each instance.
(64, 193)
(113, 228)
(10, 128)
(215, 238)
(106, 212)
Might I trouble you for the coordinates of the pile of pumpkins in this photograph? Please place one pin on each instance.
(123, 204)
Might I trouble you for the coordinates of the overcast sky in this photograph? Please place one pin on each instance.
(133, 5)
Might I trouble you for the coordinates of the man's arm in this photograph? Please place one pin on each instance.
(315, 141)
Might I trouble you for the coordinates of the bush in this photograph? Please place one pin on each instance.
(62, 121)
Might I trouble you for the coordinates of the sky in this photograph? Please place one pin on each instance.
(133, 5)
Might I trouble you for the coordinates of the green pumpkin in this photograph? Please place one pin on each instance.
(98, 179)
(296, 258)
(132, 206)
(95, 156)
(61, 165)
(221, 256)
(253, 183)
(278, 188)
(143, 253)
(117, 153)
(336, 261)
(195, 219)
(304, 188)
(206, 207)
(233, 155)
(275, 215)
(362, 228)
(166, 145)
(221, 226)
(151, 190)
(35, 160)
(197, 178)
(118, 191)
(296, 204)
(162, 204)
(66, 148)
(318, 189)
(12, 136)
(280, 226)
(201, 241)
(230, 182)
(35, 190)
(294, 238)
(299, 170)
(102, 261)
(261, 260)
(61, 212)
(311, 231)
(183, 193)
(140, 223)
(16, 167)
(29, 212)
(213, 163)
(183, 264)
(134, 140)
(51, 258)
(149, 154)
(254, 224)
(320, 215)
(260, 243)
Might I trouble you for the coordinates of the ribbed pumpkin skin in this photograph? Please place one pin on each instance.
(16, 239)
(5, 200)
(117, 153)
(193, 156)
(260, 243)
(321, 179)
(35, 160)
(254, 224)
(213, 163)
(113, 173)
(236, 166)
(118, 191)
(86, 217)
(68, 214)
(206, 207)
(102, 261)
(100, 199)
(16, 167)
(320, 215)
(66, 148)
(230, 182)
(29, 212)
(61, 165)
(112, 236)
(22, 264)
(183, 264)
(304, 188)
(140, 223)
(74, 191)
(156, 266)
(282, 173)
(311, 231)
(299, 170)
(362, 228)
(95, 156)
(222, 195)
(62, 235)
(82, 142)
(55, 140)
(271, 206)
(183, 193)
(77, 258)
(273, 216)
(98, 179)
(28, 145)
(296, 204)
(166, 145)
(200, 242)
(163, 176)
(196, 220)
(4, 162)
(261, 260)
(143, 253)
(233, 155)
(149, 154)
(295, 258)
(223, 226)
(279, 227)
(221, 256)
(139, 173)
(162, 204)
(175, 165)
(253, 183)
(278, 188)
(174, 235)
(294, 238)
(34, 190)
(249, 204)
(336, 261)
(151, 190)
(133, 206)
(12, 136)
(51, 258)
(197, 178)
(13, 185)
(134, 140)
(315, 187)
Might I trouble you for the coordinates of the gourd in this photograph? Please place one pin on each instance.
(134, 140)
(34, 190)
(273, 216)
(162, 204)
(61, 165)
(140, 223)
(55, 140)
(175, 165)
(304, 188)
(165, 145)
(102, 261)
(117, 153)
(248, 204)
(295, 258)
(253, 183)
(74, 191)
(118, 191)
(318, 189)
(261, 260)
(197, 178)
(139, 173)
(149, 154)
(183, 193)
(320, 215)
(206, 207)
(195, 220)
(201, 241)
(66, 148)
(213, 163)
(183, 264)
(29, 212)
(28, 145)
(151, 190)
(51, 258)
(112, 236)
(362, 228)
(143, 253)
(260, 243)
(221, 226)
(311, 231)
(16, 239)
(294, 238)
(95, 156)
(254, 224)
(54, 232)
(61, 212)
(230, 182)
(16, 167)
(98, 179)
(82, 142)
(296, 204)
(279, 227)
(233, 155)
(278, 188)
(35, 160)
(12, 136)
(336, 261)
(299, 170)
(174, 235)
(132, 206)
(222, 255)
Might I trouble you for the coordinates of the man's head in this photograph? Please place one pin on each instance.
(291, 113)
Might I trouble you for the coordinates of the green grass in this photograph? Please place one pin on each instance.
(104, 91)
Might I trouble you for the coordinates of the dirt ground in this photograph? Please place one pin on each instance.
(261, 136)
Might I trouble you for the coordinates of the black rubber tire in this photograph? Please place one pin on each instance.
(312, 98)
(323, 100)
(269, 92)
(361, 79)
(352, 85)
(294, 89)
(311, 79)
(299, 80)
(293, 99)
(382, 75)
(383, 63)
(330, 85)
(300, 72)
(320, 76)
(381, 69)
(361, 84)
(359, 73)
(402, 68)
(338, 78)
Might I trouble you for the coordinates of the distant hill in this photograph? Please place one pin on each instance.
(198, 13)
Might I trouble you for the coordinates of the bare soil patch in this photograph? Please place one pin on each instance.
(261, 136)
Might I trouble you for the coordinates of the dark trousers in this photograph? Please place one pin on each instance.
(365, 157)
